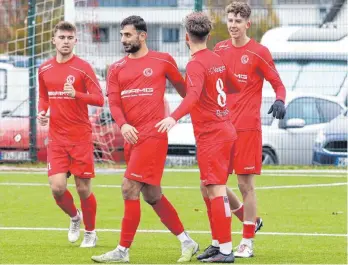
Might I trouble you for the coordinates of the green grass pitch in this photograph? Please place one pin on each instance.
(304, 221)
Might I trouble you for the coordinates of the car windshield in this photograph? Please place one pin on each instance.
(288, 71)
(266, 119)
(22, 110)
(324, 77)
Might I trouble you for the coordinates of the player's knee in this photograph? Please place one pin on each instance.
(129, 193)
(83, 191)
(246, 189)
(152, 199)
(58, 190)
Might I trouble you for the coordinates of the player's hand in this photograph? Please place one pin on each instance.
(42, 118)
(165, 125)
(129, 133)
(69, 90)
(278, 109)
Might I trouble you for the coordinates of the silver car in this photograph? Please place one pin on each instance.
(290, 141)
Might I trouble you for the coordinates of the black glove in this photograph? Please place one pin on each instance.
(278, 109)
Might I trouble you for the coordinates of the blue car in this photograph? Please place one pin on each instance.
(331, 144)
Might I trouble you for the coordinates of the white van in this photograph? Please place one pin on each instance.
(311, 59)
(14, 86)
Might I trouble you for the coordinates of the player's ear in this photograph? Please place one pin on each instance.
(53, 40)
(187, 37)
(143, 35)
(248, 24)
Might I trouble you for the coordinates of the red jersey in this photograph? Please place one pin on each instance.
(136, 87)
(206, 99)
(251, 64)
(69, 123)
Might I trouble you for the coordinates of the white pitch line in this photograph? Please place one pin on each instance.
(27, 170)
(265, 174)
(183, 187)
(167, 231)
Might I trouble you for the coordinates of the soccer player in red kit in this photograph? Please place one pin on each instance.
(206, 101)
(135, 88)
(251, 63)
(67, 85)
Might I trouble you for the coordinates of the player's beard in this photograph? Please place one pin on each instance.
(133, 48)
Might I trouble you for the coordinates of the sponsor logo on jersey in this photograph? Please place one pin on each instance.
(137, 92)
(70, 79)
(244, 59)
(147, 72)
(241, 77)
(219, 69)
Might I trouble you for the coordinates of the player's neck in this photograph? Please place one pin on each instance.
(241, 41)
(60, 58)
(139, 54)
(197, 47)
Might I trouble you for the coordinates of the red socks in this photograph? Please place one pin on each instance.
(221, 213)
(208, 204)
(168, 215)
(130, 222)
(239, 213)
(248, 230)
(66, 203)
(89, 211)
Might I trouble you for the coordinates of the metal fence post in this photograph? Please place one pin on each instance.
(32, 80)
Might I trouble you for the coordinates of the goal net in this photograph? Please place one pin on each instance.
(14, 76)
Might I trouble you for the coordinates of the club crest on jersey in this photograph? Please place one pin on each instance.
(244, 59)
(147, 72)
(70, 79)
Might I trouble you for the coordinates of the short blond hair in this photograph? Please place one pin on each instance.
(64, 25)
(198, 25)
(241, 8)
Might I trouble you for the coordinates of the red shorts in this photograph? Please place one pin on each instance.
(146, 159)
(214, 162)
(247, 153)
(77, 160)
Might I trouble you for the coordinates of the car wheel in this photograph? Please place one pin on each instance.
(268, 157)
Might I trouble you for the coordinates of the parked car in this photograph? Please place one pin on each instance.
(291, 140)
(14, 136)
(331, 143)
(181, 140)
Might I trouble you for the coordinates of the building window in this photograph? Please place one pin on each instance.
(170, 34)
(100, 34)
(130, 3)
